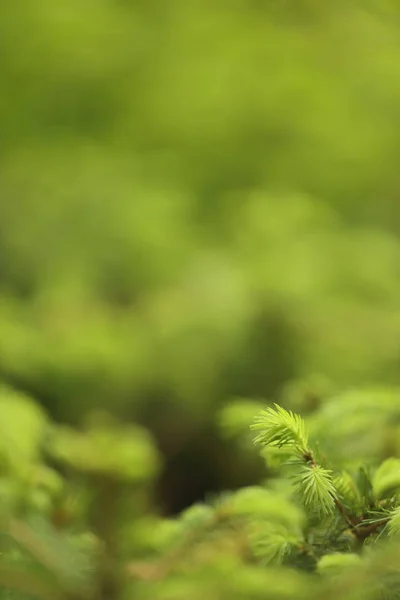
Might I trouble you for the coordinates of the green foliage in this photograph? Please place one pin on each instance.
(23, 426)
(199, 202)
(282, 429)
(386, 480)
(107, 449)
(369, 419)
(309, 531)
(234, 417)
(394, 523)
(274, 543)
(365, 505)
(315, 488)
(347, 490)
(331, 563)
(261, 503)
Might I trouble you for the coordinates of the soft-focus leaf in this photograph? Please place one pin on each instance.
(335, 563)
(23, 425)
(122, 452)
(259, 503)
(386, 479)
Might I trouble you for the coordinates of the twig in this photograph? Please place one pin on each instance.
(363, 531)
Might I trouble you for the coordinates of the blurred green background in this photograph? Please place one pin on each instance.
(199, 200)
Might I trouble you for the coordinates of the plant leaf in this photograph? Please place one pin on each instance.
(314, 488)
(281, 428)
(387, 478)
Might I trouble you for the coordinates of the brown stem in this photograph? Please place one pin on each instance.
(363, 531)
(350, 520)
(309, 458)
